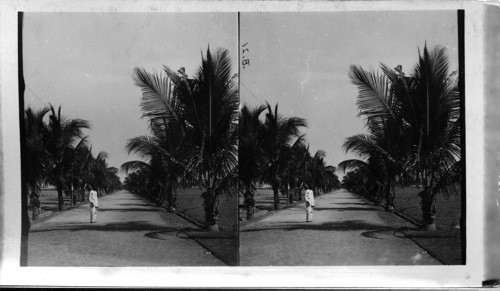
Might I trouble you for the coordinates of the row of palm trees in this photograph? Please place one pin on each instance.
(193, 137)
(57, 153)
(272, 151)
(414, 132)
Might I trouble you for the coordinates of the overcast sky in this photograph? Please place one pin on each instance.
(301, 61)
(84, 62)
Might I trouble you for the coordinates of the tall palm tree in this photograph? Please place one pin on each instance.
(167, 132)
(203, 112)
(84, 169)
(414, 126)
(77, 158)
(35, 158)
(294, 167)
(280, 132)
(435, 159)
(62, 133)
(250, 153)
(386, 144)
(301, 174)
(102, 173)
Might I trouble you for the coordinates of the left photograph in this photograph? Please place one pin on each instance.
(129, 140)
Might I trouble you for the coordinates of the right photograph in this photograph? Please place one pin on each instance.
(351, 138)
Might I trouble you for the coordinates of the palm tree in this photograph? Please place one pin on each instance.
(435, 159)
(102, 173)
(153, 186)
(365, 178)
(168, 132)
(326, 179)
(301, 174)
(77, 157)
(250, 153)
(84, 169)
(157, 168)
(362, 181)
(386, 144)
(35, 159)
(294, 165)
(139, 182)
(203, 112)
(414, 126)
(62, 134)
(279, 134)
(382, 167)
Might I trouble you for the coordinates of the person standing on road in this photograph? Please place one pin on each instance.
(94, 204)
(309, 197)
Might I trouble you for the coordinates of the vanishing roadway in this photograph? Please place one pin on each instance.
(129, 232)
(346, 230)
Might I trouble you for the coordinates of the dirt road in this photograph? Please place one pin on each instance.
(129, 231)
(346, 230)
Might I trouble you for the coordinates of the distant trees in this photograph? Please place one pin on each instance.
(61, 136)
(56, 153)
(273, 151)
(279, 133)
(193, 133)
(414, 128)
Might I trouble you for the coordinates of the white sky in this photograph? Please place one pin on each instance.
(301, 61)
(84, 62)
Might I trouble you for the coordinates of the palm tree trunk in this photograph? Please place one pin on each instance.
(71, 194)
(36, 205)
(426, 204)
(276, 196)
(60, 198)
(389, 199)
(209, 202)
(82, 193)
(288, 197)
(171, 198)
(249, 202)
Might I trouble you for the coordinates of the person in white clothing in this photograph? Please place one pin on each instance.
(309, 197)
(94, 204)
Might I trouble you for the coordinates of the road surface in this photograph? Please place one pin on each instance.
(130, 231)
(346, 230)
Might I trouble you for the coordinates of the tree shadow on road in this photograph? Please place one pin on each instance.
(348, 225)
(124, 226)
(128, 209)
(137, 204)
(347, 208)
(128, 199)
(221, 244)
(354, 203)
